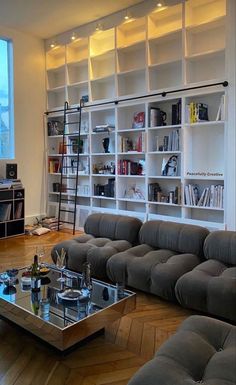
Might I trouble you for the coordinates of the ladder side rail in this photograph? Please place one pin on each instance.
(62, 165)
(81, 104)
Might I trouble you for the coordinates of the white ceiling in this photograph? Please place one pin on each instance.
(46, 18)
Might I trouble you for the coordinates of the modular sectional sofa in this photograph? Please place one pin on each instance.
(177, 262)
(202, 351)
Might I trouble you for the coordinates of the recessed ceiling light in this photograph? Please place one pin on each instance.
(73, 36)
(159, 5)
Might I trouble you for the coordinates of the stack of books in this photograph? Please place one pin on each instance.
(10, 183)
(51, 223)
(104, 128)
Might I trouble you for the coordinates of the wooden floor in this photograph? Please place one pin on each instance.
(111, 359)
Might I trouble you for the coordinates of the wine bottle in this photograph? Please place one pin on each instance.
(35, 275)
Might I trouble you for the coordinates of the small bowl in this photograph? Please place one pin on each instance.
(44, 270)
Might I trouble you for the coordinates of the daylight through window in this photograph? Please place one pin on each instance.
(6, 101)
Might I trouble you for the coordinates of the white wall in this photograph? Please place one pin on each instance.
(29, 106)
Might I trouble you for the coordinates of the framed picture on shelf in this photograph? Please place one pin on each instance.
(169, 165)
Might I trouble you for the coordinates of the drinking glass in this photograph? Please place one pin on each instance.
(61, 264)
(40, 251)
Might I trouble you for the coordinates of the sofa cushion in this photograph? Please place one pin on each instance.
(139, 270)
(221, 245)
(202, 351)
(98, 256)
(165, 275)
(114, 227)
(209, 287)
(181, 238)
(106, 234)
(117, 265)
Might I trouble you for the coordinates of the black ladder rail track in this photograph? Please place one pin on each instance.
(224, 83)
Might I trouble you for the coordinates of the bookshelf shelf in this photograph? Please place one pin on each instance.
(131, 32)
(77, 72)
(165, 21)
(164, 177)
(102, 42)
(204, 11)
(172, 47)
(102, 197)
(12, 209)
(204, 208)
(77, 51)
(163, 204)
(206, 54)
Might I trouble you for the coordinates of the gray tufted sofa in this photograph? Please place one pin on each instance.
(202, 351)
(211, 286)
(167, 250)
(105, 235)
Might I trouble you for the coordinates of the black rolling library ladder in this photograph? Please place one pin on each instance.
(66, 164)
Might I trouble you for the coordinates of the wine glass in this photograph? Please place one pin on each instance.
(40, 251)
(61, 264)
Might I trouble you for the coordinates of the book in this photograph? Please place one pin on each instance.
(196, 112)
(18, 210)
(176, 113)
(221, 110)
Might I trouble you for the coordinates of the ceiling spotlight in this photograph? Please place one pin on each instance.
(98, 27)
(53, 44)
(73, 36)
(127, 15)
(159, 5)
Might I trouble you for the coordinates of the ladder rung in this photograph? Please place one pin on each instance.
(67, 211)
(71, 223)
(75, 133)
(71, 123)
(72, 112)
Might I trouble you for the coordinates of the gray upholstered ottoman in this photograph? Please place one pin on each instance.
(202, 351)
(105, 235)
(167, 250)
(211, 286)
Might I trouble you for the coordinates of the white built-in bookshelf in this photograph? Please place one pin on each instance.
(171, 48)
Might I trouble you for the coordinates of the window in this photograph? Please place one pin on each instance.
(7, 150)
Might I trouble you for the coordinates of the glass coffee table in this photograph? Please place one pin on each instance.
(60, 313)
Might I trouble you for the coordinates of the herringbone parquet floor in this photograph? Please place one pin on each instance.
(109, 359)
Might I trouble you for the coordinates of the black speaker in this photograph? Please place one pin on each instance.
(11, 171)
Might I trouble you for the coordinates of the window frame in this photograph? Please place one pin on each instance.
(11, 150)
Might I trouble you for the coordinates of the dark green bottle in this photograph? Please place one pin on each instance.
(35, 275)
